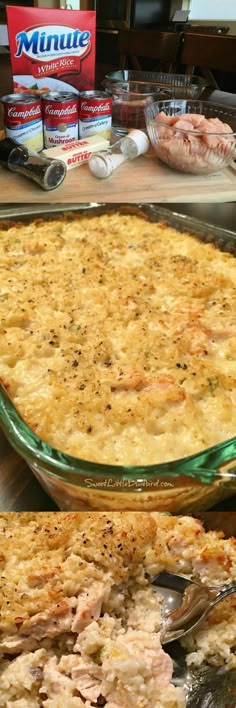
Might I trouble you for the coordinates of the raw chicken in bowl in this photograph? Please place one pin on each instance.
(192, 136)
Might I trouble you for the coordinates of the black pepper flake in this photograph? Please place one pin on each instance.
(101, 701)
(107, 362)
(83, 270)
(82, 387)
(89, 429)
(108, 407)
(75, 363)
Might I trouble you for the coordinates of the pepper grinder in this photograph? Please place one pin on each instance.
(48, 173)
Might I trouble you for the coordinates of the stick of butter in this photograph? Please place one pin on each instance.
(78, 152)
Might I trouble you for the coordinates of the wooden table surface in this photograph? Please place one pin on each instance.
(144, 179)
(19, 489)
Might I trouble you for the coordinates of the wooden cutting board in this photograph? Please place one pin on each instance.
(142, 180)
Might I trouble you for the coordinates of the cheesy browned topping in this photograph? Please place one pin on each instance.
(118, 339)
(80, 619)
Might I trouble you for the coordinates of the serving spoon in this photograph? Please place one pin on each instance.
(186, 603)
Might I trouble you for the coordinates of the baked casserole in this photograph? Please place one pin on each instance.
(118, 341)
(118, 349)
(80, 620)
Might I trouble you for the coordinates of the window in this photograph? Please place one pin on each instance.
(212, 10)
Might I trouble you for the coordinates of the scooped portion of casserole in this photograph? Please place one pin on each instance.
(118, 338)
(79, 619)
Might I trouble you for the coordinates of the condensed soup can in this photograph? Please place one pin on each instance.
(95, 114)
(23, 119)
(60, 118)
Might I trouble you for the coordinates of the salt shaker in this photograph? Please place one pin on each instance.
(102, 164)
(134, 144)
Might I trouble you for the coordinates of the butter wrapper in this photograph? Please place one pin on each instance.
(78, 152)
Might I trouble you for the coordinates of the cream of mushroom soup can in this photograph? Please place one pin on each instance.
(23, 119)
(95, 114)
(60, 118)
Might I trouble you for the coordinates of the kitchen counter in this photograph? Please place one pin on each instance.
(19, 489)
(144, 179)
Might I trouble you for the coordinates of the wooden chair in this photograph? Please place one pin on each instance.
(206, 29)
(207, 52)
(6, 83)
(134, 45)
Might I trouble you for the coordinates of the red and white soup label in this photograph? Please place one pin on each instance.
(95, 116)
(60, 122)
(23, 123)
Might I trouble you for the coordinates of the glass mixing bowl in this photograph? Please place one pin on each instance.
(129, 98)
(186, 485)
(197, 151)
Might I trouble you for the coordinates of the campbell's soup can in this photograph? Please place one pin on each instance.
(95, 114)
(23, 119)
(60, 118)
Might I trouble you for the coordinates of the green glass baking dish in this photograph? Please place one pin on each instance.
(192, 483)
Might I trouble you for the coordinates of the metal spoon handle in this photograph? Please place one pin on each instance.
(224, 591)
(197, 603)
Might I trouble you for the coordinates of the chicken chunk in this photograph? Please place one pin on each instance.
(89, 605)
(193, 143)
